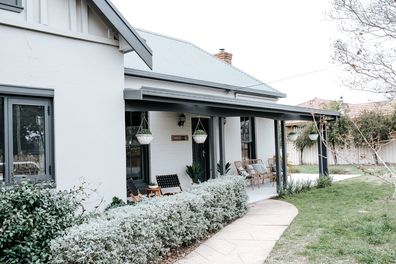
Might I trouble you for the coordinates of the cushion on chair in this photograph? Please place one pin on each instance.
(243, 173)
(260, 168)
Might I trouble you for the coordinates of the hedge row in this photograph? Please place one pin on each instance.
(142, 233)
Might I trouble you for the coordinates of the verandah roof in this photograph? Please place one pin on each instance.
(156, 99)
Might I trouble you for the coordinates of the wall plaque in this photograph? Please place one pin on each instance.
(179, 137)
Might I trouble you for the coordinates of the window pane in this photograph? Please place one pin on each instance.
(2, 140)
(28, 140)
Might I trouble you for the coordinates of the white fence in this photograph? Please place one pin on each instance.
(352, 155)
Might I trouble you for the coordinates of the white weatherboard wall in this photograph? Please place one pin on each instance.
(89, 125)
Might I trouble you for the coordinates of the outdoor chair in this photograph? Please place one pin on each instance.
(259, 167)
(167, 182)
(134, 192)
(249, 176)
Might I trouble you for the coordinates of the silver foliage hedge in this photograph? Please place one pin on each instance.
(139, 234)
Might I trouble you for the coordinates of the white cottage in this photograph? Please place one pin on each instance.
(76, 82)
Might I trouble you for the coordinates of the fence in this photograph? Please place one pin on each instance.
(354, 155)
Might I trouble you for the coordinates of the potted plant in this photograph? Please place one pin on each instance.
(313, 135)
(144, 136)
(153, 185)
(200, 136)
(292, 136)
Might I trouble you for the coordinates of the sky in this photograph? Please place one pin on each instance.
(286, 44)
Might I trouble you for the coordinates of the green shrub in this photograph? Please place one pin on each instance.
(324, 182)
(143, 233)
(338, 170)
(294, 187)
(31, 215)
(293, 169)
(115, 202)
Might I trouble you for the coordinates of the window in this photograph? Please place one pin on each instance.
(248, 138)
(11, 5)
(26, 139)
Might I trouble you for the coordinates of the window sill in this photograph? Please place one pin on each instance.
(13, 8)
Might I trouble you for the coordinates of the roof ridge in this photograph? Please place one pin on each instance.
(235, 68)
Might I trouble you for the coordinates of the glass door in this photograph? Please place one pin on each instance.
(137, 156)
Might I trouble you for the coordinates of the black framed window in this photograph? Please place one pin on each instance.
(26, 139)
(248, 138)
(11, 5)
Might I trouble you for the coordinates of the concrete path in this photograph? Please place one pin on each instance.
(247, 240)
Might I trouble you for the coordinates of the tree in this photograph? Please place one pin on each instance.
(303, 140)
(338, 131)
(369, 48)
(373, 129)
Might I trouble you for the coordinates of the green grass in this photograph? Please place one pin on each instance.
(353, 221)
(340, 169)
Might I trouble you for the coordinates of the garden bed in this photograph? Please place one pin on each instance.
(150, 230)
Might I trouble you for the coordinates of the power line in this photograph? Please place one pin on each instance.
(295, 76)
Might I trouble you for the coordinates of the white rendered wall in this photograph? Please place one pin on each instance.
(167, 156)
(232, 131)
(89, 125)
(265, 138)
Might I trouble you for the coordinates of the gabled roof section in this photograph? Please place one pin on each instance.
(110, 13)
(181, 59)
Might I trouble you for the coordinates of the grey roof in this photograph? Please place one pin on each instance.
(287, 112)
(110, 14)
(177, 59)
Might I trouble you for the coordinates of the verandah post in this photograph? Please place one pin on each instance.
(284, 153)
(213, 146)
(222, 145)
(277, 156)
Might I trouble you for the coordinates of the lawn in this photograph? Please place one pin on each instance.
(353, 221)
(341, 169)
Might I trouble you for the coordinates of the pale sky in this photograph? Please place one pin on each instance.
(271, 40)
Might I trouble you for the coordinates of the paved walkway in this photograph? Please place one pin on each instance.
(248, 240)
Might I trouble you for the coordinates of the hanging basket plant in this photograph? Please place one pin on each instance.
(200, 134)
(292, 136)
(144, 135)
(313, 136)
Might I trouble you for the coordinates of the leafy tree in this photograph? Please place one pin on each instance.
(372, 129)
(368, 48)
(303, 140)
(338, 131)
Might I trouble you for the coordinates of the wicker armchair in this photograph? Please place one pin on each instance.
(250, 176)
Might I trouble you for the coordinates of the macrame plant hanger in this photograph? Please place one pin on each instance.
(199, 138)
(144, 137)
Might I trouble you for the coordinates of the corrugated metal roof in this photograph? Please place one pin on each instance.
(183, 59)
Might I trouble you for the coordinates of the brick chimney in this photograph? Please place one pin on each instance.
(225, 56)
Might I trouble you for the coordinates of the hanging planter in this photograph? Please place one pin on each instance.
(292, 136)
(313, 136)
(200, 134)
(144, 135)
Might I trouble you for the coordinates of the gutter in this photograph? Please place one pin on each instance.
(190, 81)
